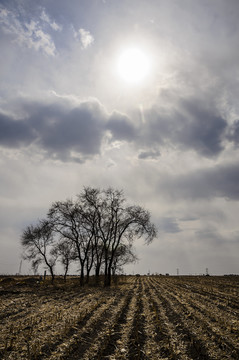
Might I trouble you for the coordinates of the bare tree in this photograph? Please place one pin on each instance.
(99, 227)
(90, 261)
(69, 221)
(37, 242)
(121, 224)
(90, 199)
(64, 250)
(123, 255)
(115, 225)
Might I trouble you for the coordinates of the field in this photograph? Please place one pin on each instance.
(146, 317)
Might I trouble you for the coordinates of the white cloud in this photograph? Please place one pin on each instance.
(28, 33)
(84, 37)
(45, 17)
(39, 40)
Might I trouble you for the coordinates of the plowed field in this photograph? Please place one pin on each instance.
(143, 317)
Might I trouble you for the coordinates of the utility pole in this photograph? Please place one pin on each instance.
(177, 272)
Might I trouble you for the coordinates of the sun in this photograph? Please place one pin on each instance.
(133, 66)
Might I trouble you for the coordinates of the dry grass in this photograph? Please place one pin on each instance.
(140, 318)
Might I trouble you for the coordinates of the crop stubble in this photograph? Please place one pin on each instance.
(157, 317)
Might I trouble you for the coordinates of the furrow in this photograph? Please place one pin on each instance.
(200, 342)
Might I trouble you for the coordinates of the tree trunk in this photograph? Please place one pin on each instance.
(82, 276)
(106, 273)
(97, 271)
(97, 274)
(87, 276)
(52, 274)
(66, 270)
(108, 277)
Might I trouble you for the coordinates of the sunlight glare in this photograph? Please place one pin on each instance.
(133, 66)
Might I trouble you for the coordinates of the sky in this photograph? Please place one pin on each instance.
(71, 115)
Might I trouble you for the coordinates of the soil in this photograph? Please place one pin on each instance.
(142, 317)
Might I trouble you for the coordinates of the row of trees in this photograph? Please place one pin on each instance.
(97, 230)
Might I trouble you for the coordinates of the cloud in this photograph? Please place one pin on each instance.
(188, 218)
(67, 125)
(29, 32)
(61, 129)
(14, 133)
(121, 127)
(202, 129)
(46, 18)
(64, 128)
(219, 181)
(150, 154)
(85, 38)
(80, 129)
(188, 125)
(233, 133)
(168, 225)
(211, 235)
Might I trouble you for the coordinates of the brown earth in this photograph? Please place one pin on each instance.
(147, 317)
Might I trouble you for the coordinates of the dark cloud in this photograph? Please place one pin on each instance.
(79, 129)
(188, 218)
(218, 181)
(212, 237)
(58, 129)
(61, 128)
(168, 225)
(156, 128)
(202, 130)
(149, 154)
(120, 127)
(233, 133)
(14, 133)
(189, 125)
